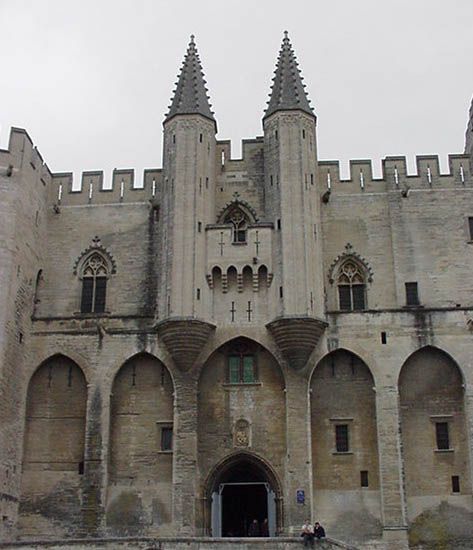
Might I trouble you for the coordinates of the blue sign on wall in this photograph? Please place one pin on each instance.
(300, 496)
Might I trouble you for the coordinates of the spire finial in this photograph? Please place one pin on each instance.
(287, 90)
(190, 96)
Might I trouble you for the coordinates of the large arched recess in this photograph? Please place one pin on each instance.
(240, 416)
(140, 465)
(53, 453)
(431, 393)
(342, 399)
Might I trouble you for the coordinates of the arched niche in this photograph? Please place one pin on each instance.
(223, 404)
(53, 452)
(141, 425)
(344, 446)
(434, 439)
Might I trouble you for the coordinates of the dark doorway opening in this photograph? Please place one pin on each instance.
(241, 504)
(243, 493)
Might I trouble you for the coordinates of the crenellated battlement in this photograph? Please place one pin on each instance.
(92, 190)
(395, 174)
(21, 155)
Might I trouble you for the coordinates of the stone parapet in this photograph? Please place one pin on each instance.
(176, 544)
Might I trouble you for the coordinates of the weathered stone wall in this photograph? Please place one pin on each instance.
(342, 392)
(140, 487)
(431, 390)
(53, 453)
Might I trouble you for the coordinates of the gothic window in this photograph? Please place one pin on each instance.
(241, 366)
(237, 218)
(351, 287)
(94, 284)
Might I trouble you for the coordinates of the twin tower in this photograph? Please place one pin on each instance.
(270, 225)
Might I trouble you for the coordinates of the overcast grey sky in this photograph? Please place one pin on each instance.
(91, 80)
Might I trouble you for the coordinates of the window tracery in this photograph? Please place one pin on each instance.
(351, 287)
(94, 284)
(239, 221)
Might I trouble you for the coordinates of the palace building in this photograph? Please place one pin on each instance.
(221, 340)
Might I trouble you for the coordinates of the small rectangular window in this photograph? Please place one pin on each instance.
(234, 369)
(344, 296)
(364, 478)
(80, 468)
(248, 369)
(341, 438)
(100, 291)
(441, 434)
(166, 439)
(280, 292)
(384, 338)
(278, 224)
(470, 228)
(303, 134)
(412, 294)
(455, 484)
(358, 297)
(87, 294)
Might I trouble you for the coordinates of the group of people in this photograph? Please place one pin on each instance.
(311, 532)
(257, 530)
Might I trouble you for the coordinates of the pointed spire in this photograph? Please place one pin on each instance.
(190, 95)
(288, 91)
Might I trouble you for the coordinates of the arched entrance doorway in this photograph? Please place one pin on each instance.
(240, 490)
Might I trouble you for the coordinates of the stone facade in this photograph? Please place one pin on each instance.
(254, 330)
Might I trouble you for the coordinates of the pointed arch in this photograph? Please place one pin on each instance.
(355, 258)
(433, 428)
(54, 441)
(247, 210)
(344, 441)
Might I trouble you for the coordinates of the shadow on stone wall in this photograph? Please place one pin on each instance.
(445, 527)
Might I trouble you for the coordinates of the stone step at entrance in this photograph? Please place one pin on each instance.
(176, 544)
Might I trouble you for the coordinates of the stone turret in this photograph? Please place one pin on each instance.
(187, 206)
(293, 201)
(469, 136)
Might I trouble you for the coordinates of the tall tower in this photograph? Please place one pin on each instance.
(187, 206)
(292, 195)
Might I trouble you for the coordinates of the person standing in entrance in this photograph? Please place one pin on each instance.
(253, 531)
(265, 528)
(307, 533)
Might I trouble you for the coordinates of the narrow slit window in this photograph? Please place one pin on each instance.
(455, 484)
(166, 438)
(470, 228)
(341, 438)
(364, 478)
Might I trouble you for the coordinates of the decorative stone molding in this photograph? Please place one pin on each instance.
(297, 337)
(240, 203)
(95, 246)
(184, 338)
(350, 254)
(241, 433)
